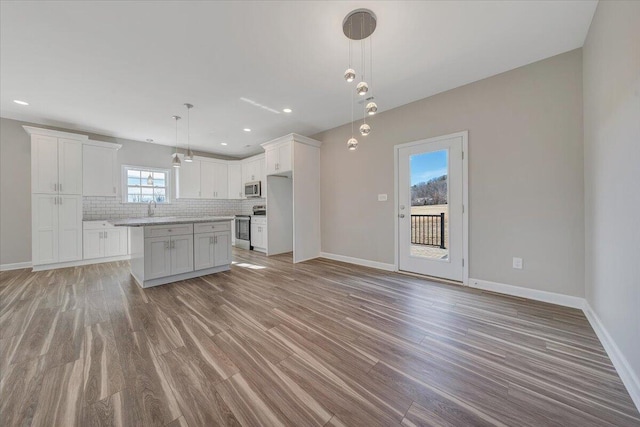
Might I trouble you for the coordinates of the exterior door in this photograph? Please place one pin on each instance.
(430, 207)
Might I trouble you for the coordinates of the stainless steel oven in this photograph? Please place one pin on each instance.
(252, 189)
(243, 231)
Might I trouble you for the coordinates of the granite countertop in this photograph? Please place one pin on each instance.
(167, 220)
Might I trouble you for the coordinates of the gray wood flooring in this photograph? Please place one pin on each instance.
(314, 344)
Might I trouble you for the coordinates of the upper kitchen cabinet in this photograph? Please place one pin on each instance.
(56, 161)
(253, 169)
(235, 185)
(293, 183)
(214, 180)
(99, 168)
(278, 157)
(188, 179)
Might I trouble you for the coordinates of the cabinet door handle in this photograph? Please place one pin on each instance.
(55, 200)
(215, 240)
(55, 187)
(106, 235)
(60, 200)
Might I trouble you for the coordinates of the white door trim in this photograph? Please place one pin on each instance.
(465, 196)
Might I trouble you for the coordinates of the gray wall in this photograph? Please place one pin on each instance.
(15, 181)
(525, 175)
(612, 173)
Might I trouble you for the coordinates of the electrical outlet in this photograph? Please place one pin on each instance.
(517, 263)
(382, 197)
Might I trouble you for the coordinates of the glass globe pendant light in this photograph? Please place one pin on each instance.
(350, 75)
(371, 108)
(352, 144)
(189, 156)
(176, 160)
(365, 129)
(362, 88)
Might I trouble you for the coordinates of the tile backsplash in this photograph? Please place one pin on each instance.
(101, 208)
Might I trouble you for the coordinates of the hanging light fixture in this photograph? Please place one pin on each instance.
(176, 160)
(360, 25)
(150, 179)
(189, 156)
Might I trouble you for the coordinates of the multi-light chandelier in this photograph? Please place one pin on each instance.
(360, 25)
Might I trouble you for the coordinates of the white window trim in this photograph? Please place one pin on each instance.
(124, 181)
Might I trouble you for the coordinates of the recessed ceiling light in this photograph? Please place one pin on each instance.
(246, 130)
(149, 140)
(17, 101)
(223, 143)
(287, 110)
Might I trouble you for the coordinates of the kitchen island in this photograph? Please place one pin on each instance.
(169, 249)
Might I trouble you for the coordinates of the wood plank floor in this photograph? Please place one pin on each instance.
(320, 343)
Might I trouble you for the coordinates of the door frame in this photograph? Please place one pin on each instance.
(465, 197)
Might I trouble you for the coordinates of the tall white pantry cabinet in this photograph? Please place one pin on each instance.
(56, 196)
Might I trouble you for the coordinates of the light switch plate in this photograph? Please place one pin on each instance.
(382, 197)
(517, 263)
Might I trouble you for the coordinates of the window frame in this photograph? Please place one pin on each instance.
(125, 186)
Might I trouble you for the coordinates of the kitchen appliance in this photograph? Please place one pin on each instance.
(260, 210)
(243, 231)
(252, 189)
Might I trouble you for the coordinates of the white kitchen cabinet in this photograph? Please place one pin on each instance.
(44, 164)
(278, 158)
(70, 228)
(188, 179)
(181, 254)
(171, 245)
(222, 248)
(213, 180)
(259, 234)
(203, 256)
(234, 180)
(56, 165)
(101, 240)
(100, 173)
(212, 249)
(157, 257)
(253, 169)
(56, 228)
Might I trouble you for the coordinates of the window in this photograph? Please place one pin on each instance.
(142, 185)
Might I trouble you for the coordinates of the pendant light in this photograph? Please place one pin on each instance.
(360, 25)
(176, 160)
(150, 179)
(189, 156)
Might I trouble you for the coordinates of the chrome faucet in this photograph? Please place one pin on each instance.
(151, 211)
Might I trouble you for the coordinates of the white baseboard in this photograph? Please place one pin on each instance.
(81, 262)
(625, 371)
(533, 294)
(15, 266)
(359, 261)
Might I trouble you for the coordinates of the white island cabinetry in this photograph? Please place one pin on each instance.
(178, 248)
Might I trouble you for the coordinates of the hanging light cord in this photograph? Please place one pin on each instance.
(176, 135)
(188, 131)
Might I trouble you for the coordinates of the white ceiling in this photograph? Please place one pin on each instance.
(124, 68)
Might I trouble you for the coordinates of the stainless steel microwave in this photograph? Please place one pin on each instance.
(252, 189)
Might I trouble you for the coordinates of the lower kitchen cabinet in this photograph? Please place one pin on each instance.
(103, 240)
(168, 255)
(212, 242)
(259, 234)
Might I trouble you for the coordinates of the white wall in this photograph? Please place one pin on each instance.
(526, 175)
(612, 175)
